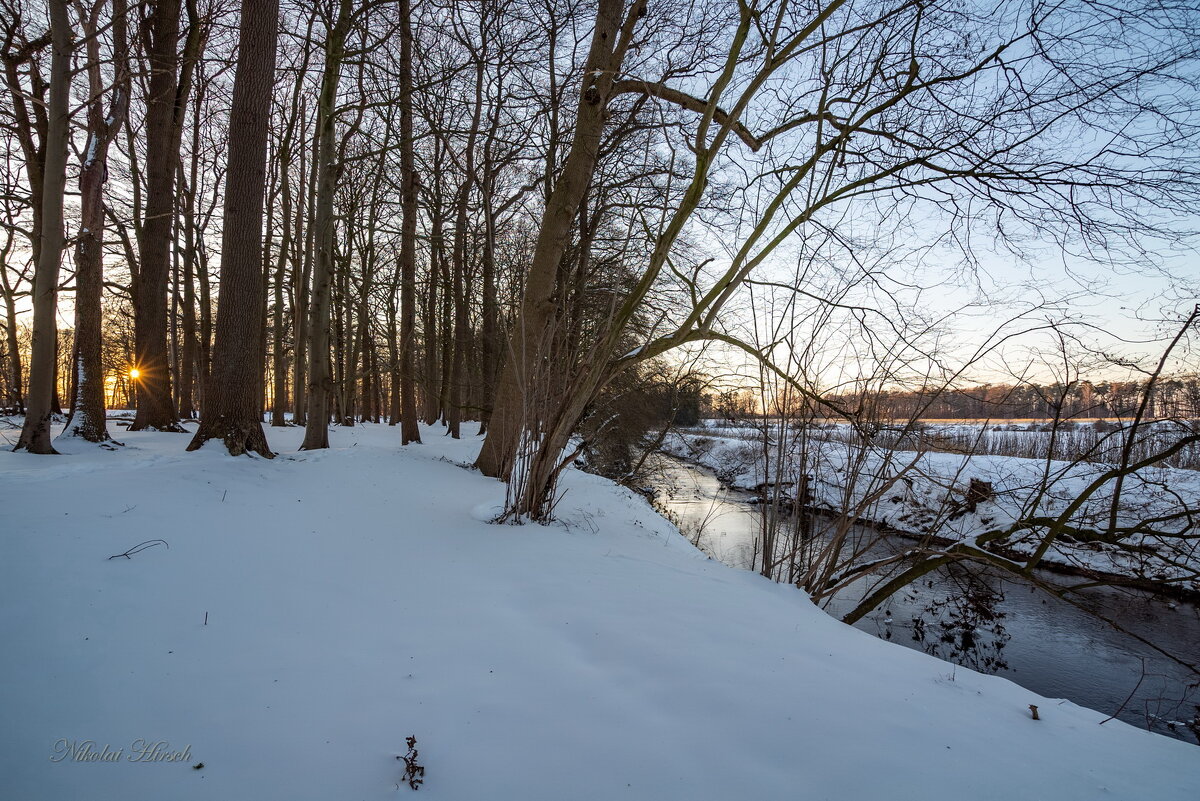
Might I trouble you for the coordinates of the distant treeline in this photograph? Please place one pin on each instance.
(1174, 397)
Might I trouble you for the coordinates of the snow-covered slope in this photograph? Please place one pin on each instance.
(356, 596)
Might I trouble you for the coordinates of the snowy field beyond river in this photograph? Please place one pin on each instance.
(925, 493)
(314, 610)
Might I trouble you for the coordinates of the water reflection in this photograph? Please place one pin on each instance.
(988, 622)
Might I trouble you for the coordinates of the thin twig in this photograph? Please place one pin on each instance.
(141, 546)
(1131, 694)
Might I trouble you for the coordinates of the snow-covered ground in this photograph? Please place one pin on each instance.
(314, 610)
(927, 494)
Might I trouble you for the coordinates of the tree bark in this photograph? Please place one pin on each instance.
(231, 410)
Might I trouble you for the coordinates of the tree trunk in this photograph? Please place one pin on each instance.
(266, 246)
(278, 366)
(287, 246)
(10, 333)
(459, 284)
(301, 282)
(393, 346)
(205, 339)
(345, 373)
(446, 356)
(155, 406)
(231, 410)
(87, 419)
(189, 355)
(320, 381)
(490, 351)
(429, 333)
(409, 430)
(35, 434)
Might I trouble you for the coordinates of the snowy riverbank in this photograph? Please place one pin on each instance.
(314, 610)
(928, 494)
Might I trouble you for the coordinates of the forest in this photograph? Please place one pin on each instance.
(540, 216)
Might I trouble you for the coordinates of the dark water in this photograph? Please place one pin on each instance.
(1040, 642)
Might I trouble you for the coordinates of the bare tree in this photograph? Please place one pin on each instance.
(527, 361)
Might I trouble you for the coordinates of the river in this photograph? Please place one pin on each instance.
(1040, 642)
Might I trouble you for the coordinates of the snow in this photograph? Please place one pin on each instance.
(355, 596)
(92, 146)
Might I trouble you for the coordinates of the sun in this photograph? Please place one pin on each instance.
(134, 372)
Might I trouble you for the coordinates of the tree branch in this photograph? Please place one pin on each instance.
(688, 102)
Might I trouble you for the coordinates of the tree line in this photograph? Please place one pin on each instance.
(1169, 397)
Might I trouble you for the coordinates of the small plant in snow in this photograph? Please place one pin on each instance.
(414, 773)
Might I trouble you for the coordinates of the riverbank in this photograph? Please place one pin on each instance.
(928, 498)
(309, 613)
(1003, 625)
